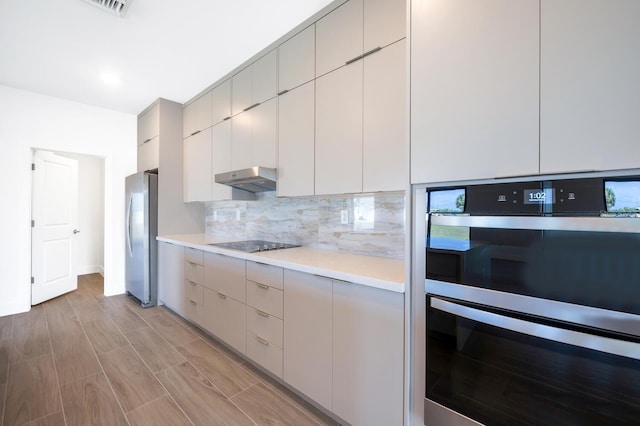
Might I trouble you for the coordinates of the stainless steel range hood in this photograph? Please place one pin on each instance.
(254, 179)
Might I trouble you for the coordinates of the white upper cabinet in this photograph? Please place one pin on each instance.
(197, 115)
(590, 65)
(339, 37)
(338, 148)
(149, 154)
(254, 84)
(221, 153)
(198, 178)
(149, 124)
(254, 137)
(297, 59)
(241, 90)
(296, 141)
(265, 77)
(384, 22)
(221, 102)
(385, 155)
(474, 89)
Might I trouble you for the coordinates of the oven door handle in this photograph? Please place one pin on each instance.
(570, 337)
(541, 223)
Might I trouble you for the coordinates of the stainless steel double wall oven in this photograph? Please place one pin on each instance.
(532, 297)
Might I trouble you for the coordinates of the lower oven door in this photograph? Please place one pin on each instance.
(499, 368)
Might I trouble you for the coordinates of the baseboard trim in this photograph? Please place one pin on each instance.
(95, 269)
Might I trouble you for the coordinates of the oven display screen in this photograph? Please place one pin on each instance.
(540, 196)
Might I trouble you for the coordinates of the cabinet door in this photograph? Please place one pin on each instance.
(339, 37)
(384, 22)
(225, 318)
(149, 154)
(198, 178)
(339, 131)
(264, 134)
(226, 275)
(385, 161)
(221, 134)
(590, 63)
(264, 78)
(241, 90)
(149, 124)
(296, 141)
(297, 59)
(474, 89)
(221, 102)
(308, 335)
(241, 140)
(171, 276)
(197, 115)
(368, 354)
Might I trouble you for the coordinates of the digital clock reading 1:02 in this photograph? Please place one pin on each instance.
(540, 196)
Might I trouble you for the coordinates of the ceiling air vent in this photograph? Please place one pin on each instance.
(117, 7)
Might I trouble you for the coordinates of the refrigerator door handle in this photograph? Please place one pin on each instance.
(129, 226)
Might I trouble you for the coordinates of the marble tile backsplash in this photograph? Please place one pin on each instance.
(375, 223)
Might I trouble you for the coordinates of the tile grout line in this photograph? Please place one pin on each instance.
(95, 353)
(238, 407)
(55, 367)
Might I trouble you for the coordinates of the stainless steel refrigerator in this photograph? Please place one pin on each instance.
(141, 229)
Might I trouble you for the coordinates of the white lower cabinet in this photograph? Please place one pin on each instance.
(224, 299)
(226, 319)
(307, 335)
(264, 316)
(368, 355)
(171, 276)
(344, 347)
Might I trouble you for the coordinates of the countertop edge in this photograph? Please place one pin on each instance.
(397, 287)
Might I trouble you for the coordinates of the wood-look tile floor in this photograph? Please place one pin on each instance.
(86, 359)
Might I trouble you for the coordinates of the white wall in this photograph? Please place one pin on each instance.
(31, 120)
(90, 213)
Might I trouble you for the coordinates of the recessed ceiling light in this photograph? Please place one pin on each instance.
(110, 79)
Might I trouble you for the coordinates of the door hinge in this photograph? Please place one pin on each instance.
(33, 280)
(33, 223)
(33, 166)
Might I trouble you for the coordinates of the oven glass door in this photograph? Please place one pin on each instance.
(501, 369)
(580, 260)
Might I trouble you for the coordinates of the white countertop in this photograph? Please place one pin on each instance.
(372, 271)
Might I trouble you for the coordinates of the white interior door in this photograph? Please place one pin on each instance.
(54, 220)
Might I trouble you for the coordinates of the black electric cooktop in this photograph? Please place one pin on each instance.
(253, 246)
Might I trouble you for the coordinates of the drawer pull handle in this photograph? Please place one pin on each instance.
(196, 132)
(263, 341)
(262, 313)
(283, 92)
(193, 264)
(148, 140)
(222, 296)
(262, 286)
(193, 284)
(193, 302)
(226, 118)
(372, 51)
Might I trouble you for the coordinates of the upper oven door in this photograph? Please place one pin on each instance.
(588, 261)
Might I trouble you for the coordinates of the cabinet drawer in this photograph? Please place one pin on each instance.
(193, 291)
(265, 353)
(194, 255)
(265, 298)
(226, 319)
(226, 275)
(194, 272)
(265, 274)
(193, 310)
(264, 325)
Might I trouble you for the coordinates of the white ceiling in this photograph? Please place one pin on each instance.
(161, 48)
